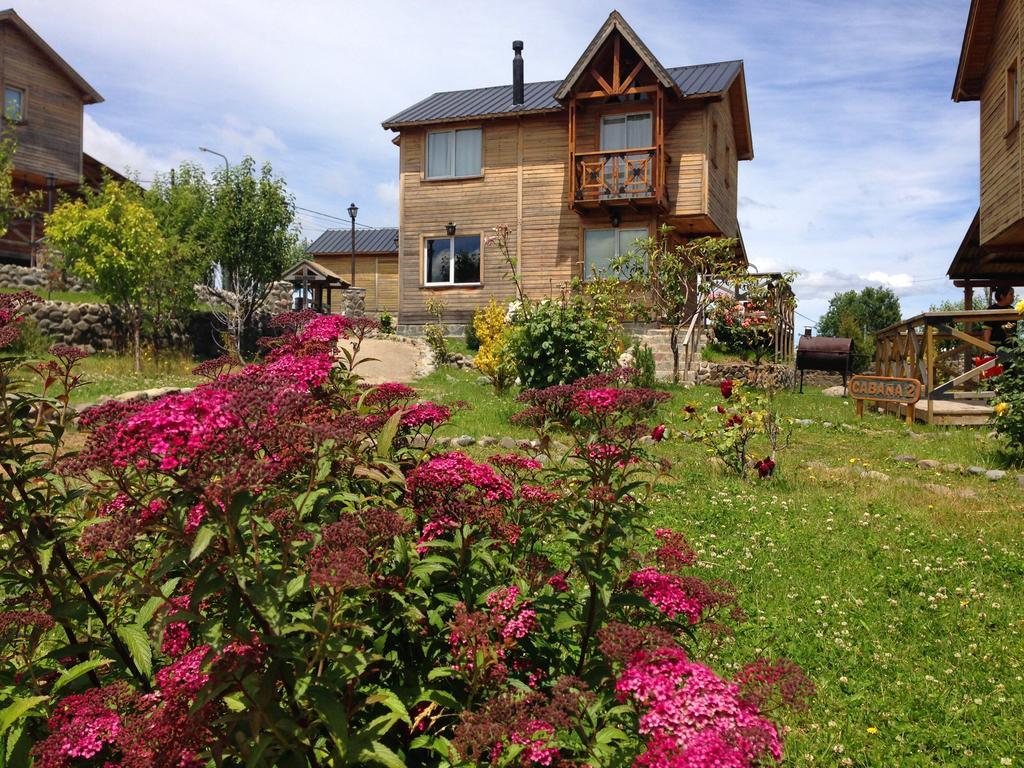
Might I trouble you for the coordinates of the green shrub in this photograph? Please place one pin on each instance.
(643, 363)
(436, 334)
(562, 341)
(1009, 401)
(387, 323)
(472, 339)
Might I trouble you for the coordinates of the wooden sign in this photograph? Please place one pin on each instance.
(885, 389)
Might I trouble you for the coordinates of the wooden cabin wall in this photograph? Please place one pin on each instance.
(50, 139)
(685, 143)
(377, 273)
(1001, 205)
(524, 185)
(722, 168)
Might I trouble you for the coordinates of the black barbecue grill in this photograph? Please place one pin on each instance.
(832, 354)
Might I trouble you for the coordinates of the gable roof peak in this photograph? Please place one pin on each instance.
(89, 94)
(615, 23)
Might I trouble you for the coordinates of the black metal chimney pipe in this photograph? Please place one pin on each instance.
(518, 95)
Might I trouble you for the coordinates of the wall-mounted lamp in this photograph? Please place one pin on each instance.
(615, 218)
(51, 186)
(450, 229)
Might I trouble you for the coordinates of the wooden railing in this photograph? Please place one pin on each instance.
(938, 349)
(625, 174)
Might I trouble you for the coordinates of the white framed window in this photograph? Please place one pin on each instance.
(629, 131)
(14, 104)
(602, 246)
(454, 154)
(451, 260)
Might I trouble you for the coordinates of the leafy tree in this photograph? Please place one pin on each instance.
(248, 231)
(112, 240)
(179, 201)
(13, 204)
(872, 309)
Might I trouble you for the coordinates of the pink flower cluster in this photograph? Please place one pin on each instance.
(326, 328)
(667, 592)
(451, 490)
(514, 623)
(693, 718)
(425, 414)
(535, 737)
(596, 401)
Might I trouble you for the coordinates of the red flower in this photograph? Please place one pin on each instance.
(658, 434)
(726, 388)
(765, 467)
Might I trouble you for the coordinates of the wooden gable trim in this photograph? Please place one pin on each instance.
(978, 35)
(741, 117)
(615, 23)
(89, 94)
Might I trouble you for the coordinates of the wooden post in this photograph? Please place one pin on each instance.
(929, 357)
(968, 327)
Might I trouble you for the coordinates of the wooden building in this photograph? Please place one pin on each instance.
(579, 168)
(44, 100)
(376, 263)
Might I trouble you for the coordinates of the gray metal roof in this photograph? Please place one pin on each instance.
(381, 240)
(696, 80)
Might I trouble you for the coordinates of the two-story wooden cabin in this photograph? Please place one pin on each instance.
(579, 168)
(43, 109)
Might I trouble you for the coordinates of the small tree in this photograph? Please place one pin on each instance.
(13, 204)
(179, 201)
(668, 283)
(114, 242)
(248, 232)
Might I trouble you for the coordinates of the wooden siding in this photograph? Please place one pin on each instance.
(722, 173)
(1000, 147)
(50, 138)
(685, 141)
(377, 273)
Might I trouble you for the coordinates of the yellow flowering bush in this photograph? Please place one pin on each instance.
(494, 359)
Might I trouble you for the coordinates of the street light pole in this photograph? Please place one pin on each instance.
(352, 211)
(227, 167)
(218, 277)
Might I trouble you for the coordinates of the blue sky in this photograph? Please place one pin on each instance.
(865, 172)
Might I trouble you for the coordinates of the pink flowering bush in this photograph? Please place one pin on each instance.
(276, 568)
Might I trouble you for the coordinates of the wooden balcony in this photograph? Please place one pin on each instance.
(633, 177)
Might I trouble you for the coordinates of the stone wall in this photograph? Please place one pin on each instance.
(764, 376)
(351, 301)
(38, 279)
(94, 326)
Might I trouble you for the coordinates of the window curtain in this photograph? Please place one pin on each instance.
(439, 161)
(467, 152)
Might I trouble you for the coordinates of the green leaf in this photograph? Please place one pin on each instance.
(77, 671)
(387, 434)
(378, 753)
(203, 538)
(10, 714)
(327, 704)
(137, 641)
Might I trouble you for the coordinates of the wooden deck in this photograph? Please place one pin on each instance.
(947, 412)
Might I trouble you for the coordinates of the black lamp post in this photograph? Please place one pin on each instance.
(352, 211)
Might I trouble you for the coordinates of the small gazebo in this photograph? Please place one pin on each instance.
(316, 283)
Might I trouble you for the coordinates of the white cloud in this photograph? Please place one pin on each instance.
(891, 281)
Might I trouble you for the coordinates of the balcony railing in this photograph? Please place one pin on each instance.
(623, 174)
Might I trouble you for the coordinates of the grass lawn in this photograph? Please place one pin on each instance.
(76, 297)
(105, 374)
(902, 601)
